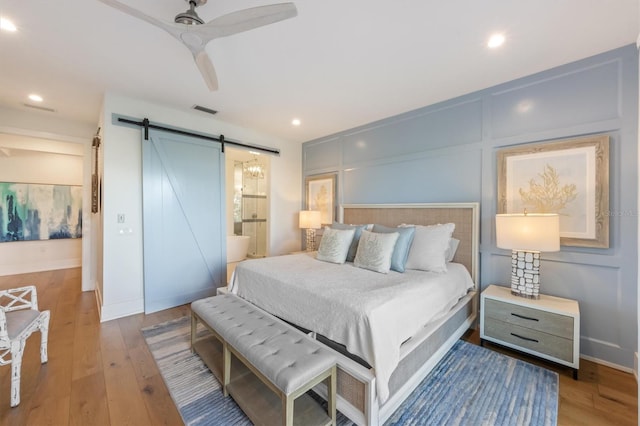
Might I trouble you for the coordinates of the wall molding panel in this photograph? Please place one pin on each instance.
(447, 152)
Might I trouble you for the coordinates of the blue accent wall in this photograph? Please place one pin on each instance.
(447, 153)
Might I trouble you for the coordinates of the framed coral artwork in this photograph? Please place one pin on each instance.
(569, 177)
(321, 195)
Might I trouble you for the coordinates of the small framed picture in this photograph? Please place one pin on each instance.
(321, 195)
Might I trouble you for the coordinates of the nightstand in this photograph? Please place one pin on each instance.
(548, 327)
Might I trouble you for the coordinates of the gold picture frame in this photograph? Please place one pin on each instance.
(321, 192)
(569, 177)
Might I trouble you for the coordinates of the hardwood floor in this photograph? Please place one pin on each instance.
(104, 374)
(97, 374)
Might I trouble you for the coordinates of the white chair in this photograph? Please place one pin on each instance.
(19, 317)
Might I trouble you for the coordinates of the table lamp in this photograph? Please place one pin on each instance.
(310, 220)
(527, 234)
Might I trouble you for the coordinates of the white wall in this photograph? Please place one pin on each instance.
(34, 160)
(28, 164)
(638, 215)
(122, 261)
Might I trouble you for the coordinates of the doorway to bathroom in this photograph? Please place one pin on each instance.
(247, 202)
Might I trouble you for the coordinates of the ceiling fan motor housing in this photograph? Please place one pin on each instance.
(190, 17)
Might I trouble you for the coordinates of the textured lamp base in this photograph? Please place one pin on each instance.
(311, 240)
(525, 274)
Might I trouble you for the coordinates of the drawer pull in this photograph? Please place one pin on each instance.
(524, 338)
(523, 317)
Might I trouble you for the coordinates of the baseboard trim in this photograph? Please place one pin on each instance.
(27, 268)
(120, 310)
(608, 364)
(98, 299)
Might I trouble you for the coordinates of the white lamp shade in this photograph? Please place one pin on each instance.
(309, 219)
(528, 232)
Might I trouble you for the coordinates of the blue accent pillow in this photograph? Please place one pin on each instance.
(351, 255)
(401, 250)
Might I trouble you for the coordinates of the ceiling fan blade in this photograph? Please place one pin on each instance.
(170, 28)
(206, 69)
(247, 19)
(195, 37)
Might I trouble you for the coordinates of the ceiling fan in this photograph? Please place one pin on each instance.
(194, 33)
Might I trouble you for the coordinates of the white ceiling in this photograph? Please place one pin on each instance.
(337, 65)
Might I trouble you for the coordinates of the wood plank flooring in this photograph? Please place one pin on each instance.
(104, 374)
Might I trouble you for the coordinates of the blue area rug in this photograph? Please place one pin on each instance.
(471, 385)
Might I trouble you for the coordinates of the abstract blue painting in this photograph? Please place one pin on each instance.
(39, 212)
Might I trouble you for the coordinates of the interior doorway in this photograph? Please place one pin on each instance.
(248, 189)
(28, 159)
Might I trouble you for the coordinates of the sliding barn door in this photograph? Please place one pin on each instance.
(184, 229)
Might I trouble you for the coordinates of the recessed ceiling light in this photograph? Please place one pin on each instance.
(7, 25)
(496, 40)
(295, 122)
(35, 98)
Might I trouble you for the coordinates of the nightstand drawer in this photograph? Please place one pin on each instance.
(547, 322)
(534, 340)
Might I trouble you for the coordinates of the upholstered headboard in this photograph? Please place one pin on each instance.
(464, 215)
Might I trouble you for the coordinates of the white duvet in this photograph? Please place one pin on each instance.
(368, 312)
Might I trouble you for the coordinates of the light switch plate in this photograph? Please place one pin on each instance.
(120, 217)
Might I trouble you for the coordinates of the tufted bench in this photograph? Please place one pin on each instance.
(282, 358)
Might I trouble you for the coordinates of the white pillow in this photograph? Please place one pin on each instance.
(375, 251)
(451, 250)
(429, 247)
(334, 245)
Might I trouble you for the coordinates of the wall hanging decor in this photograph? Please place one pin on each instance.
(95, 177)
(321, 196)
(569, 177)
(39, 212)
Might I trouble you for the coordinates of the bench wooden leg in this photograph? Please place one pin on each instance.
(194, 327)
(226, 368)
(287, 408)
(332, 386)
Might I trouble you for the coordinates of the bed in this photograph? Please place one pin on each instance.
(387, 330)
